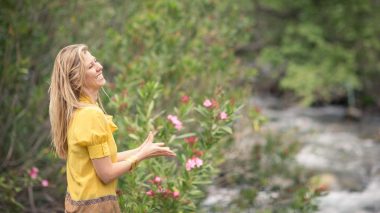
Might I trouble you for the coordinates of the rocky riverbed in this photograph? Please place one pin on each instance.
(345, 153)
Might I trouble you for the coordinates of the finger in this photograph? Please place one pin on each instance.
(159, 147)
(170, 153)
(149, 138)
(146, 139)
(163, 154)
(160, 144)
(165, 148)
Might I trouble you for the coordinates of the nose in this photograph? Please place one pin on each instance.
(99, 67)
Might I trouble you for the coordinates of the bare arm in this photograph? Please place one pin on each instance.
(108, 171)
(121, 156)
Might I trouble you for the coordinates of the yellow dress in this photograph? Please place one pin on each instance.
(89, 136)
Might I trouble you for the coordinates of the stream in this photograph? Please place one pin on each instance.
(345, 153)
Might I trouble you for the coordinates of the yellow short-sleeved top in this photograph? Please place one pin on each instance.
(89, 136)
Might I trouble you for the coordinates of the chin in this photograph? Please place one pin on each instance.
(103, 82)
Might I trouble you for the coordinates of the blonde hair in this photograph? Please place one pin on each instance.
(65, 88)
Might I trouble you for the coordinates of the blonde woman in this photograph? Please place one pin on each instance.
(82, 134)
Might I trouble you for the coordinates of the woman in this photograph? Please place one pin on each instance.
(82, 134)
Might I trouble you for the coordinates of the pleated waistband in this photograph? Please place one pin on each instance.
(90, 201)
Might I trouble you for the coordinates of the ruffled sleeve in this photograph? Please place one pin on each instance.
(91, 130)
(111, 124)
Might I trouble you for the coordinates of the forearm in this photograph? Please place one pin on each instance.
(108, 171)
(121, 156)
(120, 168)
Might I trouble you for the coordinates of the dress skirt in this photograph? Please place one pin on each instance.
(106, 204)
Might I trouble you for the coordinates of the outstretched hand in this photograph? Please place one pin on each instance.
(148, 149)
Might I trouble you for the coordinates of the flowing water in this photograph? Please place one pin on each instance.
(345, 152)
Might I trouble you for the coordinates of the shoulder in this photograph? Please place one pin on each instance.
(89, 113)
(89, 110)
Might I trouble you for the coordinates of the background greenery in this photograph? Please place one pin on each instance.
(315, 51)
(323, 51)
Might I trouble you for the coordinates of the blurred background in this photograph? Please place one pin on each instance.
(306, 71)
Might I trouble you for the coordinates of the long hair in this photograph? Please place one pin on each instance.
(65, 88)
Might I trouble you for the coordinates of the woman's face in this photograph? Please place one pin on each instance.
(94, 78)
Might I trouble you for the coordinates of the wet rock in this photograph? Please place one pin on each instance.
(324, 182)
(220, 196)
(352, 202)
(354, 113)
(344, 153)
(280, 182)
(340, 150)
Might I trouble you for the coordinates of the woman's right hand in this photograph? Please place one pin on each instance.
(149, 149)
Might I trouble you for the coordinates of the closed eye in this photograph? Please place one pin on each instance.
(92, 63)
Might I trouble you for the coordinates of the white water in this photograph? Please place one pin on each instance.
(345, 150)
(333, 145)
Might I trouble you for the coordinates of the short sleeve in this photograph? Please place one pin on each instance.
(92, 131)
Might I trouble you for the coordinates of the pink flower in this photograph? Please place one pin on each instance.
(185, 99)
(190, 164)
(176, 194)
(191, 140)
(150, 193)
(45, 183)
(157, 180)
(198, 162)
(223, 116)
(207, 103)
(175, 121)
(33, 173)
(178, 126)
(193, 162)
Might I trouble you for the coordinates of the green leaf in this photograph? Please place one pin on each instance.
(227, 129)
(150, 109)
(196, 193)
(202, 111)
(202, 182)
(133, 136)
(185, 136)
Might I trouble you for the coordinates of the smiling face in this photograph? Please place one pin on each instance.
(93, 79)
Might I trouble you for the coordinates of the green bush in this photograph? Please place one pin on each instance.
(202, 134)
(322, 51)
(187, 46)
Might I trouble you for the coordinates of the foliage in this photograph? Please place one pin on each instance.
(188, 47)
(320, 50)
(273, 173)
(179, 44)
(157, 52)
(202, 134)
(192, 42)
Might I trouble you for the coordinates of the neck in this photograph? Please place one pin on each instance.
(93, 94)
